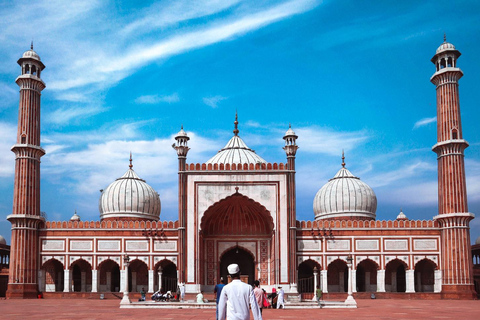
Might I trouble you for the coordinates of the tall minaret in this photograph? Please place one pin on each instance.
(26, 218)
(291, 150)
(181, 146)
(453, 217)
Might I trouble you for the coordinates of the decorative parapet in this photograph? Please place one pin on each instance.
(358, 224)
(235, 167)
(111, 225)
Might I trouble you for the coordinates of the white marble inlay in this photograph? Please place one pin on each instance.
(136, 245)
(303, 245)
(108, 245)
(165, 245)
(425, 244)
(396, 244)
(367, 244)
(341, 245)
(76, 245)
(53, 245)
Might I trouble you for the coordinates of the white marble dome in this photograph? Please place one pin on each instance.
(445, 46)
(129, 197)
(3, 241)
(31, 54)
(477, 241)
(345, 196)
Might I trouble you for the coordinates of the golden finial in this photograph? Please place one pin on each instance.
(130, 165)
(343, 159)
(235, 132)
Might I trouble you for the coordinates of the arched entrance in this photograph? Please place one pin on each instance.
(367, 276)
(166, 276)
(81, 276)
(109, 276)
(395, 276)
(233, 219)
(244, 260)
(337, 276)
(137, 276)
(306, 281)
(424, 276)
(53, 270)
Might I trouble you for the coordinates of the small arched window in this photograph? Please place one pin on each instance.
(24, 139)
(34, 70)
(449, 63)
(27, 68)
(454, 134)
(442, 63)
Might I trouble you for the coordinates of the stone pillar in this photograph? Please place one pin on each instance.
(83, 281)
(150, 281)
(394, 281)
(94, 280)
(324, 281)
(109, 280)
(380, 280)
(122, 281)
(353, 274)
(41, 280)
(341, 282)
(315, 282)
(66, 279)
(410, 280)
(437, 287)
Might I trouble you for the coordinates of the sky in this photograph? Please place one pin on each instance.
(124, 77)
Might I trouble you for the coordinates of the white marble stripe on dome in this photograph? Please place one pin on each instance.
(236, 151)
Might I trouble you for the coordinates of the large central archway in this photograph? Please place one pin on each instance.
(244, 260)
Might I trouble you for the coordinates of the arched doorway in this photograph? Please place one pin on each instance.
(245, 261)
(337, 276)
(367, 276)
(54, 275)
(233, 219)
(109, 276)
(137, 276)
(424, 276)
(81, 276)
(306, 279)
(395, 276)
(166, 276)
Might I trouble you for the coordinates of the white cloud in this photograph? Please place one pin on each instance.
(404, 172)
(8, 134)
(423, 122)
(213, 101)
(64, 115)
(155, 99)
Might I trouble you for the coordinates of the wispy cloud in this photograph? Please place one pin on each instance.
(404, 172)
(155, 99)
(423, 122)
(213, 101)
(65, 115)
(8, 133)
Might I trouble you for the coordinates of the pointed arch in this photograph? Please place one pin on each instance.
(53, 272)
(109, 276)
(337, 276)
(425, 275)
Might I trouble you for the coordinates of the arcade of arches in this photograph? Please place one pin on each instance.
(366, 274)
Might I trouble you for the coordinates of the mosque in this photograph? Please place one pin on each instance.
(237, 207)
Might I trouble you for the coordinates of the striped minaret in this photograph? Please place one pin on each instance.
(453, 217)
(26, 217)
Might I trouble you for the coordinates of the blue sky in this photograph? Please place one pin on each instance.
(347, 75)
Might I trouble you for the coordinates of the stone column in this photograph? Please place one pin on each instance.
(94, 280)
(315, 282)
(83, 281)
(150, 281)
(353, 274)
(41, 280)
(437, 286)
(380, 280)
(410, 280)
(324, 281)
(122, 281)
(66, 279)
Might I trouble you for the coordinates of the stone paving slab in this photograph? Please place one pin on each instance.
(110, 310)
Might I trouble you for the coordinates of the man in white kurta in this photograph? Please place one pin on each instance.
(236, 297)
(280, 298)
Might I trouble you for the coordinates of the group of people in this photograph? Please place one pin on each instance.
(235, 300)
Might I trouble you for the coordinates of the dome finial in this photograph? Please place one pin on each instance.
(235, 132)
(130, 165)
(343, 159)
(31, 45)
(444, 37)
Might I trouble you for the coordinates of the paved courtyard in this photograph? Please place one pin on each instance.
(109, 309)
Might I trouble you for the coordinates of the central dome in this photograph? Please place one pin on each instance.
(236, 151)
(345, 197)
(129, 198)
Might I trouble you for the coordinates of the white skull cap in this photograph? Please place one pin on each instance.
(233, 268)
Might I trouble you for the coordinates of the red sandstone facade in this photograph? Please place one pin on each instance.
(237, 207)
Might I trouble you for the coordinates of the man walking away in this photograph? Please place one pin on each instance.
(236, 297)
(217, 291)
(280, 298)
(258, 295)
(318, 294)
